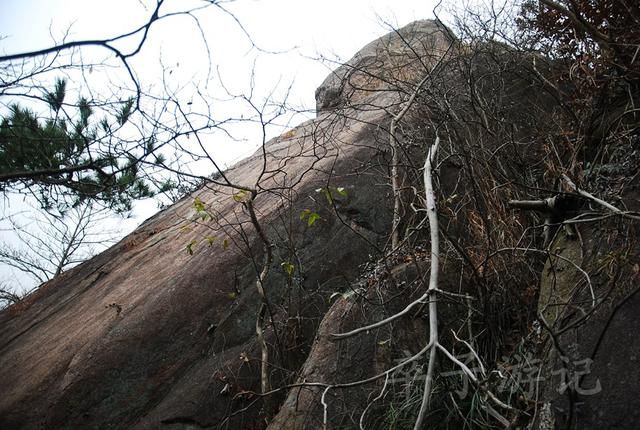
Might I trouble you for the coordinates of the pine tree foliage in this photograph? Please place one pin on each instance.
(66, 159)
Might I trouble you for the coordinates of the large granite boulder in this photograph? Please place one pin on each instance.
(387, 65)
(146, 335)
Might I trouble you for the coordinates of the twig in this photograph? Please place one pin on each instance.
(590, 196)
(581, 270)
(395, 150)
(378, 397)
(395, 161)
(325, 406)
(420, 300)
(473, 352)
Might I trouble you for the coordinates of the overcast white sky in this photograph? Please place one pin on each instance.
(313, 27)
(301, 29)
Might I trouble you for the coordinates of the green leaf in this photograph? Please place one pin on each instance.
(310, 216)
(239, 196)
(288, 267)
(331, 193)
(327, 194)
(210, 239)
(190, 246)
(313, 217)
(225, 244)
(198, 205)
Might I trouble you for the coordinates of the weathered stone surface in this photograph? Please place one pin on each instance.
(591, 372)
(145, 334)
(125, 339)
(388, 64)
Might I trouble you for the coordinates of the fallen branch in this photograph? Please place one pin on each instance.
(590, 196)
(546, 205)
(555, 209)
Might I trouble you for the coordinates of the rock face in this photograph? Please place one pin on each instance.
(159, 331)
(145, 334)
(384, 66)
(596, 352)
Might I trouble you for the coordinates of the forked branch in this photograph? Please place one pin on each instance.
(432, 215)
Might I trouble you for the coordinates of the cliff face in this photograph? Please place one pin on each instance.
(146, 333)
(160, 330)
